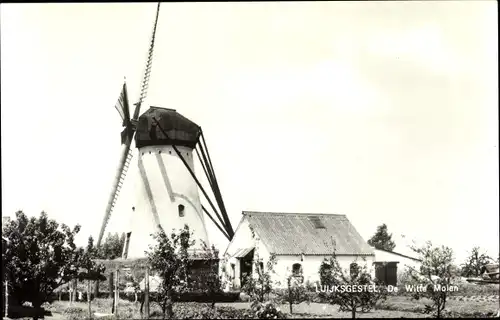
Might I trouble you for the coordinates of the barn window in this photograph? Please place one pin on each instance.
(296, 269)
(316, 221)
(261, 266)
(354, 270)
(297, 272)
(181, 210)
(233, 271)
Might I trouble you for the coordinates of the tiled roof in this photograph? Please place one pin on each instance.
(296, 233)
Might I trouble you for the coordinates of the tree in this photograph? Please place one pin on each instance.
(40, 256)
(112, 247)
(352, 290)
(169, 259)
(475, 263)
(295, 293)
(382, 239)
(91, 270)
(436, 273)
(260, 284)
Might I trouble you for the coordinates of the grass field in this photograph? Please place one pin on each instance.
(394, 307)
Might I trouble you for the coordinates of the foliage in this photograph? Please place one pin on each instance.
(436, 272)
(260, 284)
(74, 313)
(202, 311)
(295, 293)
(475, 263)
(169, 259)
(213, 282)
(39, 255)
(267, 310)
(91, 270)
(382, 239)
(357, 291)
(112, 247)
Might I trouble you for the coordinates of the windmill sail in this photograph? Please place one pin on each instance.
(127, 135)
(122, 106)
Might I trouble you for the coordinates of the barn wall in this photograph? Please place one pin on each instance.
(242, 239)
(403, 262)
(311, 265)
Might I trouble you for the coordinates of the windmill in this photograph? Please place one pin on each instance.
(167, 193)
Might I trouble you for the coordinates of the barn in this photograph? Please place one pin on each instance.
(300, 241)
(390, 265)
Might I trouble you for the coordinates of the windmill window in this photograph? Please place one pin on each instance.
(159, 151)
(316, 221)
(169, 151)
(181, 210)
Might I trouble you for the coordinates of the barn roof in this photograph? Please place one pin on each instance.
(307, 233)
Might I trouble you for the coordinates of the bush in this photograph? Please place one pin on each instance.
(200, 311)
(198, 296)
(75, 313)
(266, 310)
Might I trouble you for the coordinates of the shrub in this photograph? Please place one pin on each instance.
(436, 269)
(266, 310)
(75, 313)
(205, 311)
(475, 263)
(332, 275)
(295, 293)
(261, 286)
(169, 259)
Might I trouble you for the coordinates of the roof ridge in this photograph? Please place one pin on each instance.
(292, 213)
(164, 108)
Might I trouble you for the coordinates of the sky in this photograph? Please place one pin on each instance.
(386, 112)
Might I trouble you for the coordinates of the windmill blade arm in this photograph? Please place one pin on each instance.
(121, 172)
(122, 106)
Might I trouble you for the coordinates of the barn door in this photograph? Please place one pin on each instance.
(387, 272)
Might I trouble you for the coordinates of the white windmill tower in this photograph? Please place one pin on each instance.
(167, 193)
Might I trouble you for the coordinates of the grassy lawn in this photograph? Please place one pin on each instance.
(129, 310)
(403, 303)
(320, 310)
(393, 307)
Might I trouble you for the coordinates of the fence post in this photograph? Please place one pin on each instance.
(111, 285)
(117, 291)
(70, 286)
(6, 298)
(146, 293)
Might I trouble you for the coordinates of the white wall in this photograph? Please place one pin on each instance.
(311, 265)
(403, 262)
(170, 188)
(242, 239)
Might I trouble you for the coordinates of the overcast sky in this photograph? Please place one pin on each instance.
(384, 111)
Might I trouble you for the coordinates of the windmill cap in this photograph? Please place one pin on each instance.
(180, 130)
